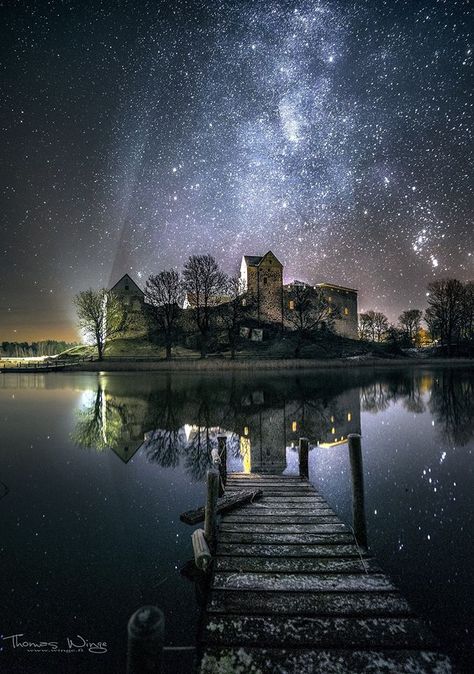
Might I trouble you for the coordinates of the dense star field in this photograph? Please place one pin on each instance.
(337, 134)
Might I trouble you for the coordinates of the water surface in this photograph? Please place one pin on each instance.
(95, 470)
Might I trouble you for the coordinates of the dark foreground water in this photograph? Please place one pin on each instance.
(96, 469)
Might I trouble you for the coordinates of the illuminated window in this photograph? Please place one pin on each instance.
(333, 431)
(329, 298)
(346, 311)
(244, 302)
(349, 416)
(294, 426)
(246, 430)
(291, 304)
(332, 420)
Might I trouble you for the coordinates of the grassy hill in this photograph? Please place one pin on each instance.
(327, 347)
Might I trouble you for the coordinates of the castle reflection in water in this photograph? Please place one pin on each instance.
(174, 418)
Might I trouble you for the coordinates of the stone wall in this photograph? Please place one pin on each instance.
(344, 301)
(264, 283)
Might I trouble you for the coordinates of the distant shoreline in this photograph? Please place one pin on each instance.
(226, 365)
(222, 365)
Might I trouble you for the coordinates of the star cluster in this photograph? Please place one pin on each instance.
(338, 134)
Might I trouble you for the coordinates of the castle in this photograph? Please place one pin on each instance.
(261, 277)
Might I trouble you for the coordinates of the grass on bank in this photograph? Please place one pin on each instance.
(327, 347)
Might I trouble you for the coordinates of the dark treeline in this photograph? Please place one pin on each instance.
(47, 347)
(449, 319)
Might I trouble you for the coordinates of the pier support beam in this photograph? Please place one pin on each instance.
(357, 474)
(303, 454)
(146, 632)
(210, 517)
(222, 447)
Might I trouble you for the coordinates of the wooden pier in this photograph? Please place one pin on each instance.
(293, 593)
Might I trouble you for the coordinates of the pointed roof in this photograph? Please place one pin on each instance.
(252, 260)
(255, 260)
(129, 279)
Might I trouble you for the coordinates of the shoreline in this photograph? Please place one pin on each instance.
(222, 365)
(227, 365)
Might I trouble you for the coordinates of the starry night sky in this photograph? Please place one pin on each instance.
(338, 134)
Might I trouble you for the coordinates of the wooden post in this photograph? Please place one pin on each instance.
(146, 632)
(222, 447)
(211, 505)
(303, 455)
(358, 509)
(202, 554)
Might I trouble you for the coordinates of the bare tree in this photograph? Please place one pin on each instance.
(366, 327)
(101, 316)
(468, 312)
(307, 310)
(164, 294)
(444, 315)
(234, 311)
(205, 284)
(410, 321)
(373, 326)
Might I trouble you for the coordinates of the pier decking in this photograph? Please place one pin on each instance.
(293, 593)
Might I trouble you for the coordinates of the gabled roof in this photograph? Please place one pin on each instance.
(128, 278)
(252, 260)
(255, 260)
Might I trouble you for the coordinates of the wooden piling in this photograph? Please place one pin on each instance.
(222, 446)
(210, 516)
(357, 474)
(146, 632)
(202, 554)
(303, 455)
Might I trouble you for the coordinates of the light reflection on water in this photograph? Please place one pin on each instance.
(100, 467)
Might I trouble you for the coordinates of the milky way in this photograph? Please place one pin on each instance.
(338, 134)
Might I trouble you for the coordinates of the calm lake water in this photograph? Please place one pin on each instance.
(95, 470)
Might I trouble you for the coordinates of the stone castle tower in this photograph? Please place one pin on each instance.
(262, 278)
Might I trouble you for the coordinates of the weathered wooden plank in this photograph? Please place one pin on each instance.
(328, 632)
(270, 518)
(293, 501)
(309, 603)
(332, 528)
(274, 484)
(297, 486)
(302, 582)
(289, 539)
(286, 494)
(290, 551)
(309, 661)
(262, 507)
(296, 565)
(224, 504)
(290, 497)
(266, 476)
(263, 480)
